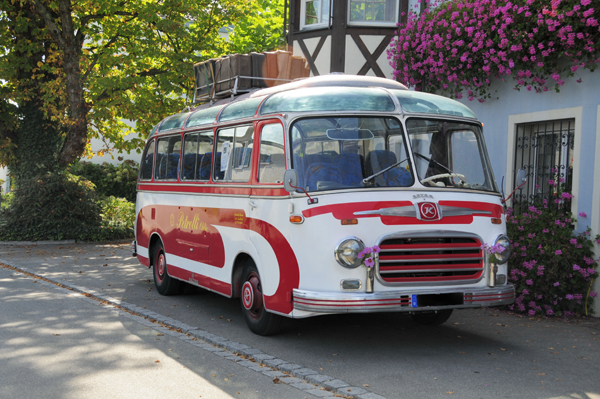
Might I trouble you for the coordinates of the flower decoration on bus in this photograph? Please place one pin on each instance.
(492, 250)
(368, 255)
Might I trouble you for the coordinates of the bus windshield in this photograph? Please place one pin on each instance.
(347, 152)
(449, 154)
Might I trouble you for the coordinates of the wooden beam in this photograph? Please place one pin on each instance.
(371, 61)
(338, 35)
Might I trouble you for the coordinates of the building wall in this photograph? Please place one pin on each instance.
(575, 100)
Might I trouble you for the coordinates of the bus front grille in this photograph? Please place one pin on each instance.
(430, 260)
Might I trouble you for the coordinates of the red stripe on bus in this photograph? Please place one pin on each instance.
(179, 225)
(200, 280)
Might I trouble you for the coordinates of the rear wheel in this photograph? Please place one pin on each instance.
(165, 285)
(433, 318)
(257, 318)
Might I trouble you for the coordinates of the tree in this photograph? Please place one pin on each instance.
(260, 31)
(73, 70)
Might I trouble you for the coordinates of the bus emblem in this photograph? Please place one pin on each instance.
(429, 211)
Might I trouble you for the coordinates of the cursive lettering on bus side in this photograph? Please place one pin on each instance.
(194, 224)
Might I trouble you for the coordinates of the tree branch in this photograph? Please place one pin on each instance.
(55, 31)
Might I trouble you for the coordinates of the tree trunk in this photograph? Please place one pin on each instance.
(70, 43)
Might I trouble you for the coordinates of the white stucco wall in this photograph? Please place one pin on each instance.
(579, 101)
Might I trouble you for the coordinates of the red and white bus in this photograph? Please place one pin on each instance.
(332, 194)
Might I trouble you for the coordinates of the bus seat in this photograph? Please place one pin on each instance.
(147, 166)
(204, 166)
(378, 160)
(219, 174)
(173, 161)
(350, 166)
(247, 157)
(322, 171)
(316, 158)
(189, 166)
(159, 159)
(398, 177)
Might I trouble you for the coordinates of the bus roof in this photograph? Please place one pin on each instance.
(352, 93)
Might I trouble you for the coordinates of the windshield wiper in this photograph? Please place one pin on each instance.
(366, 179)
(432, 161)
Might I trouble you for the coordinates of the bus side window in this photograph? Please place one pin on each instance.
(190, 157)
(167, 158)
(234, 154)
(272, 154)
(147, 162)
(197, 156)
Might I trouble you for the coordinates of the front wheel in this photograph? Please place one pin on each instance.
(257, 318)
(432, 318)
(165, 284)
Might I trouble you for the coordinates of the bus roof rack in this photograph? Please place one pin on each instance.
(242, 73)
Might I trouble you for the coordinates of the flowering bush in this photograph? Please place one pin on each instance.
(368, 255)
(460, 45)
(551, 267)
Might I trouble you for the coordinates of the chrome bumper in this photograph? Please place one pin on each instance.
(402, 301)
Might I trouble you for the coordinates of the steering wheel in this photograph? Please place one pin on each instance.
(462, 178)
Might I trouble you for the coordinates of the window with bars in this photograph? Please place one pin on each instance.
(545, 151)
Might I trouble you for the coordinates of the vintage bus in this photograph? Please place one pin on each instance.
(332, 194)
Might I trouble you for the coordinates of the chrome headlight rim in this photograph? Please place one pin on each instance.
(504, 241)
(342, 258)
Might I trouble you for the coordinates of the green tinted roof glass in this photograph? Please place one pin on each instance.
(240, 110)
(173, 122)
(206, 116)
(328, 99)
(416, 101)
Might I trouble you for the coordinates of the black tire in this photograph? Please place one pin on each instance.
(258, 319)
(432, 318)
(165, 285)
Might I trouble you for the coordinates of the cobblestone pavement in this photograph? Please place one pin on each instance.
(476, 354)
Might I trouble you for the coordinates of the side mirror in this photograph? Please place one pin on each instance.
(520, 177)
(290, 178)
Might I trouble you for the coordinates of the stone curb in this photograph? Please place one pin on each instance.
(296, 375)
(61, 242)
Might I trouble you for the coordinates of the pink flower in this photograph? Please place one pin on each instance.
(556, 284)
(369, 262)
(582, 214)
(566, 195)
(558, 252)
(594, 294)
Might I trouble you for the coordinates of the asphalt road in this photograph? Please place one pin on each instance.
(477, 354)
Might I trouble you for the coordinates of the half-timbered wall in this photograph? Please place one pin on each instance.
(340, 45)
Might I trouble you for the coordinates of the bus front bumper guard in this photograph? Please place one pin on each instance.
(402, 301)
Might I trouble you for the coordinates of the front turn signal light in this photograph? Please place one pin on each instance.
(297, 219)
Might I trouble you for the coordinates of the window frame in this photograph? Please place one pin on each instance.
(374, 23)
(156, 167)
(230, 166)
(150, 143)
(320, 24)
(199, 134)
(260, 128)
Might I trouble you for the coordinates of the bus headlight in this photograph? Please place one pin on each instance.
(346, 252)
(504, 255)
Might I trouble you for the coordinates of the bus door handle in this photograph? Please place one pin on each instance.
(252, 204)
